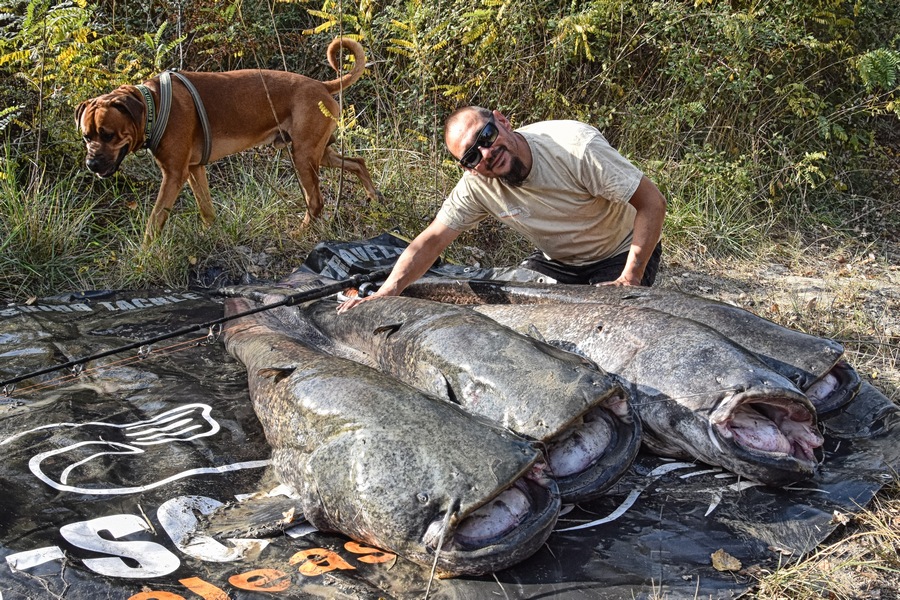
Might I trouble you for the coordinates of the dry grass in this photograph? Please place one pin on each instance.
(854, 298)
(860, 561)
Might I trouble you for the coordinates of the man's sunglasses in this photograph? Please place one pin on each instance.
(485, 139)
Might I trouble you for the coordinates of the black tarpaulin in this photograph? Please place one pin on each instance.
(104, 474)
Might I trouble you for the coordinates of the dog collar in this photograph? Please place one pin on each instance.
(155, 127)
(157, 121)
(151, 113)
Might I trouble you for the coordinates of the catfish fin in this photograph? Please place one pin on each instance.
(256, 517)
(276, 373)
(533, 332)
(389, 328)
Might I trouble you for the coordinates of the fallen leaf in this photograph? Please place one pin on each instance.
(722, 561)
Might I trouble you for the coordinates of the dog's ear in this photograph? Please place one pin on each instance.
(131, 106)
(128, 104)
(78, 112)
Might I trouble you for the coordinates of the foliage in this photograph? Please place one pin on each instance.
(753, 117)
(878, 69)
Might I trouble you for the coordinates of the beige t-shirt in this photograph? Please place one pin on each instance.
(573, 205)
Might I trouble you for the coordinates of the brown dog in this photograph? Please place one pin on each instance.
(245, 108)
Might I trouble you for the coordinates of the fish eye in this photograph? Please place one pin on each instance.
(422, 497)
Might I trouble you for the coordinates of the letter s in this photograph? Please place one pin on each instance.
(153, 559)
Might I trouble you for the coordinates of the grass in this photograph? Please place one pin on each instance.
(47, 238)
(863, 561)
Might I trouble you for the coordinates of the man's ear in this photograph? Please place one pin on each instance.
(499, 118)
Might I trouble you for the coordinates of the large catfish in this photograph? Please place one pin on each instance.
(561, 399)
(386, 464)
(814, 364)
(699, 395)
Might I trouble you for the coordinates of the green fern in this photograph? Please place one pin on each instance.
(878, 69)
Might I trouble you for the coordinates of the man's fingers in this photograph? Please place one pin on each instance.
(348, 304)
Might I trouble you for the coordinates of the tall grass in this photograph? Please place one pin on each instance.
(47, 238)
(61, 234)
(68, 236)
(865, 557)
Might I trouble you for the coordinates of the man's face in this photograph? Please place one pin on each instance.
(487, 147)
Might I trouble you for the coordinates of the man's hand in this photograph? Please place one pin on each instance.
(621, 281)
(348, 304)
(413, 262)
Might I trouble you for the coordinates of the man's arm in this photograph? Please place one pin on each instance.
(650, 205)
(413, 262)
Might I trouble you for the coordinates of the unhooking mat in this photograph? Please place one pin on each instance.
(105, 472)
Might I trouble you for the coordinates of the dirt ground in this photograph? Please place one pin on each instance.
(855, 300)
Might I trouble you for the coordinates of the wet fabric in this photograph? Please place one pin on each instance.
(104, 474)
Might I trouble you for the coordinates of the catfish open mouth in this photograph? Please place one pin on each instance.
(501, 532)
(592, 454)
(772, 426)
(834, 389)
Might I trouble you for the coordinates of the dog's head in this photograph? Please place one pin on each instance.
(112, 125)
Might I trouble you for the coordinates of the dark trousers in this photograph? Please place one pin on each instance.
(608, 269)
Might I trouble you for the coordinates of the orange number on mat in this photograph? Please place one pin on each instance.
(156, 596)
(203, 589)
(316, 561)
(261, 580)
(370, 554)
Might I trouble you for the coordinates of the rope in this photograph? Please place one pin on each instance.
(337, 204)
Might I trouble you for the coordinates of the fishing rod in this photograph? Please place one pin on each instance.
(290, 300)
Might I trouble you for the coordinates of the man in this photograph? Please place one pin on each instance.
(594, 217)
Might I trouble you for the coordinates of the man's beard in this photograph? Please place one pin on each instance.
(517, 172)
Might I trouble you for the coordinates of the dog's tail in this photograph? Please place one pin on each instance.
(334, 56)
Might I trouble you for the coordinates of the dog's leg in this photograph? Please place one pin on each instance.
(332, 158)
(200, 186)
(168, 193)
(308, 172)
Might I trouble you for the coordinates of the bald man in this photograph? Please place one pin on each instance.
(593, 217)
